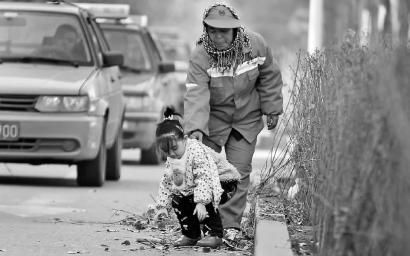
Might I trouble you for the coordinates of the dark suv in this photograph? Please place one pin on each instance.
(145, 85)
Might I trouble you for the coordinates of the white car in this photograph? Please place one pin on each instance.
(61, 99)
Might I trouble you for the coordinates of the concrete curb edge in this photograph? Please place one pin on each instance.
(271, 236)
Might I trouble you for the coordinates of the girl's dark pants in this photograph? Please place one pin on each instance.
(184, 207)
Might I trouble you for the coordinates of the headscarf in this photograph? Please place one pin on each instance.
(230, 58)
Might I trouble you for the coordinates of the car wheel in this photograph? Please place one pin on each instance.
(92, 172)
(113, 171)
(149, 156)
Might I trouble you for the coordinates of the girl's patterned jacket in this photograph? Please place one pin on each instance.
(203, 168)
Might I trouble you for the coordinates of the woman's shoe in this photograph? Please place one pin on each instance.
(210, 241)
(231, 234)
(185, 241)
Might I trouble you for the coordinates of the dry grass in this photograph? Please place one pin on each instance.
(349, 145)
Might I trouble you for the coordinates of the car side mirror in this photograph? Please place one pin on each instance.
(113, 59)
(166, 67)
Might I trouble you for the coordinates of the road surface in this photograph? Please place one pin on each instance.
(43, 211)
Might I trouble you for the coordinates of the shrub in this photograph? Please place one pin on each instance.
(348, 125)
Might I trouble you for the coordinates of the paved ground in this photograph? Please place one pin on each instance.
(43, 212)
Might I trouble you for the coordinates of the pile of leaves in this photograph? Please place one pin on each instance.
(162, 233)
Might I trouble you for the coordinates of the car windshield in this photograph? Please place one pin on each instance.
(42, 37)
(131, 44)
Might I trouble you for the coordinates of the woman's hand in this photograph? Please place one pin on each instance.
(272, 121)
(196, 135)
(201, 212)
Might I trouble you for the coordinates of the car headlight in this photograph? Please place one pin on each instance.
(62, 104)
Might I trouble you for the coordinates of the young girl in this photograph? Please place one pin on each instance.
(191, 184)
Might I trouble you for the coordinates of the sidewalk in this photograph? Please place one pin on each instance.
(271, 234)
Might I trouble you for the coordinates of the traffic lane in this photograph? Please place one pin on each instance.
(53, 186)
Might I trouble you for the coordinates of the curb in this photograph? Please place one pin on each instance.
(271, 234)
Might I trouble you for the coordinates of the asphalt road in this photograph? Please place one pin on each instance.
(43, 212)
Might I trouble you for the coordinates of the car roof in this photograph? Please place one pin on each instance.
(113, 24)
(41, 7)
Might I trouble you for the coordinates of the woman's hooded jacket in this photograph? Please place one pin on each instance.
(219, 100)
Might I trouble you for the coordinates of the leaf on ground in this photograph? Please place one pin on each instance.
(160, 247)
(231, 244)
(74, 252)
(126, 242)
(140, 225)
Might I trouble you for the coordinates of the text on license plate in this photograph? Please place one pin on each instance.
(9, 131)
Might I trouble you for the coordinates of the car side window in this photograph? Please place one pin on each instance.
(95, 42)
(154, 48)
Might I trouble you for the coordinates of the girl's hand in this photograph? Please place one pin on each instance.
(201, 212)
(161, 214)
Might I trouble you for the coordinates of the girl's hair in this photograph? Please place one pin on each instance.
(169, 131)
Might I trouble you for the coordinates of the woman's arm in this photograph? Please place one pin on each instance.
(196, 101)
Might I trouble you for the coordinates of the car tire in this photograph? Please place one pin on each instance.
(92, 172)
(149, 156)
(113, 171)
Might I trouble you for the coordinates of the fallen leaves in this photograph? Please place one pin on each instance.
(150, 235)
(126, 242)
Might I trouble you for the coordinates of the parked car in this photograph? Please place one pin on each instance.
(173, 47)
(171, 44)
(61, 99)
(144, 71)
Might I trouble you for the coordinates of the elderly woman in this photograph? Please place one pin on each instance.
(232, 82)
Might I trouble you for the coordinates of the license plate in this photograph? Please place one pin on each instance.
(9, 131)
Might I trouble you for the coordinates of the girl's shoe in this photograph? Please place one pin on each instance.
(185, 241)
(210, 241)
